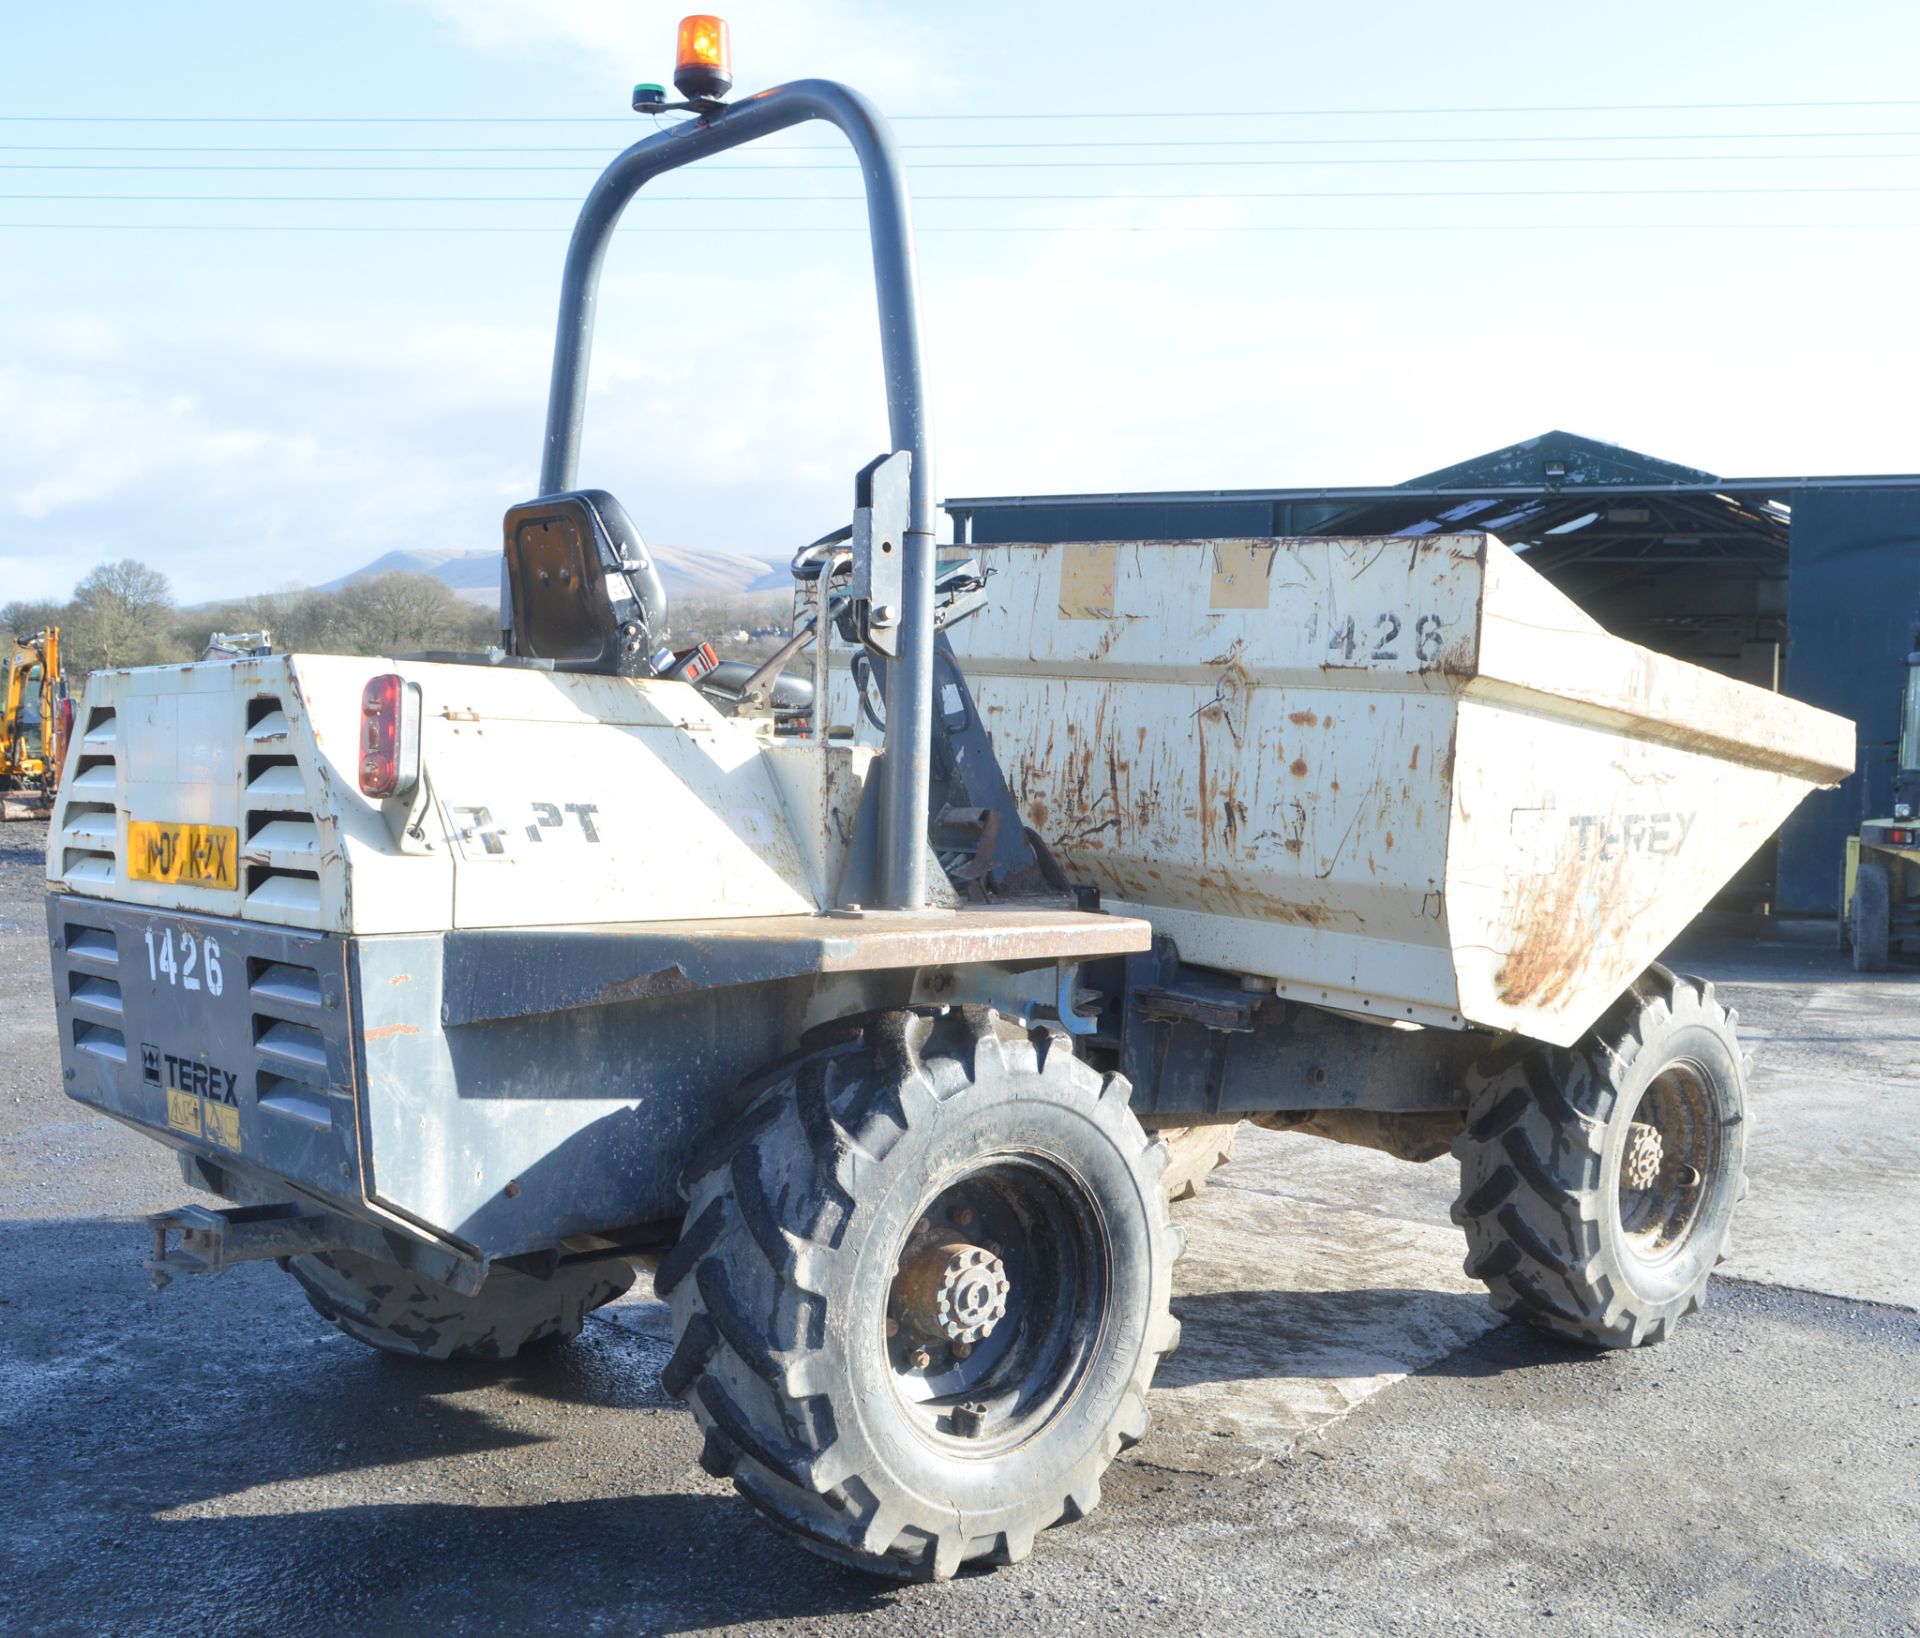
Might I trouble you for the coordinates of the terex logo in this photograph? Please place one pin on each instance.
(150, 1063)
(1633, 833)
(209, 1081)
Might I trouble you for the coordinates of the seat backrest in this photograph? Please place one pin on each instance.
(585, 592)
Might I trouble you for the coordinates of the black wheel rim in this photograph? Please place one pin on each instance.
(997, 1303)
(1668, 1161)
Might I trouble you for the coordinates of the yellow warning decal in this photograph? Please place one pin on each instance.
(223, 1125)
(183, 1113)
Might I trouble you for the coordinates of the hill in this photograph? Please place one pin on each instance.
(687, 571)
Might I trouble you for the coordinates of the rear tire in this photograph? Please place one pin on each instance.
(1872, 916)
(833, 1383)
(1598, 1182)
(401, 1312)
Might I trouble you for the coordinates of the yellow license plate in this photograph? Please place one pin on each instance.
(159, 850)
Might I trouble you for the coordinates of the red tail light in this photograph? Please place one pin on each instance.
(389, 737)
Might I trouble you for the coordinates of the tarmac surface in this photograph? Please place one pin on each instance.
(1348, 1441)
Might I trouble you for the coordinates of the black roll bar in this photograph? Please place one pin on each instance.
(906, 764)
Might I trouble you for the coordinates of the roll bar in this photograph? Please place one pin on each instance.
(906, 763)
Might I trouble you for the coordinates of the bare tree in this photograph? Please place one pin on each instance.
(401, 613)
(23, 617)
(122, 614)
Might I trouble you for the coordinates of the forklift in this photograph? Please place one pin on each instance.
(1880, 879)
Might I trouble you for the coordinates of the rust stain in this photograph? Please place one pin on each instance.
(1304, 719)
(400, 978)
(1413, 762)
(386, 1032)
(1558, 921)
(1298, 767)
(1206, 806)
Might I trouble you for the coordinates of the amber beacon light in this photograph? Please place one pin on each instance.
(703, 64)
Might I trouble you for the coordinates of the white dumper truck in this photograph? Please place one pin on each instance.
(472, 983)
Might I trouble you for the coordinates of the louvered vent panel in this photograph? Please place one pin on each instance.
(281, 853)
(292, 1080)
(93, 991)
(90, 823)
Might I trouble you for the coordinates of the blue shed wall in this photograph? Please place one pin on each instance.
(1853, 594)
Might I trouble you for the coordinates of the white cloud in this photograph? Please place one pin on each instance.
(733, 399)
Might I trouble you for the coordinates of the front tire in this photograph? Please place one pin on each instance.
(922, 1290)
(1598, 1182)
(1872, 916)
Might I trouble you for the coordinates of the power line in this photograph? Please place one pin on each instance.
(1183, 229)
(938, 198)
(973, 165)
(1033, 144)
(1042, 114)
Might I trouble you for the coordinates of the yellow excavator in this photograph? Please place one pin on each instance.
(33, 730)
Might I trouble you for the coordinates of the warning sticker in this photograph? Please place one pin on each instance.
(183, 1112)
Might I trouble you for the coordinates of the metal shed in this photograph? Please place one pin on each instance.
(1811, 584)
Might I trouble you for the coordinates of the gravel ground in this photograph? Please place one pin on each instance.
(213, 1459)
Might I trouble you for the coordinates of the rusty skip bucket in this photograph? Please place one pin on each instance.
(1402, 777)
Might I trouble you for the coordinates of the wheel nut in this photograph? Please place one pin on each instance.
(1640, 1167)
(893, 1327)
(962, 1216)
(921, 1359)
(962, 1350)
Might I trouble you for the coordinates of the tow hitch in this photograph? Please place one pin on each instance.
(210, 1241)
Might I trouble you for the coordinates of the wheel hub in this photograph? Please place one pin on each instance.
(952, 1291)
(1640, 1167)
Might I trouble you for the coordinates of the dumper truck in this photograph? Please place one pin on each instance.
(471, 984)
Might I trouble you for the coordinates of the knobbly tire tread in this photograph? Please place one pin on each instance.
(1194, 1154)
(1872, 925)
(1534, 1186)
(401, 1312)
(757, 1352)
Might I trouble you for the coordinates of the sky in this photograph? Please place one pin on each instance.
(278, 283)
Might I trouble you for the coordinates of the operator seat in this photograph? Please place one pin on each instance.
(584, 591)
